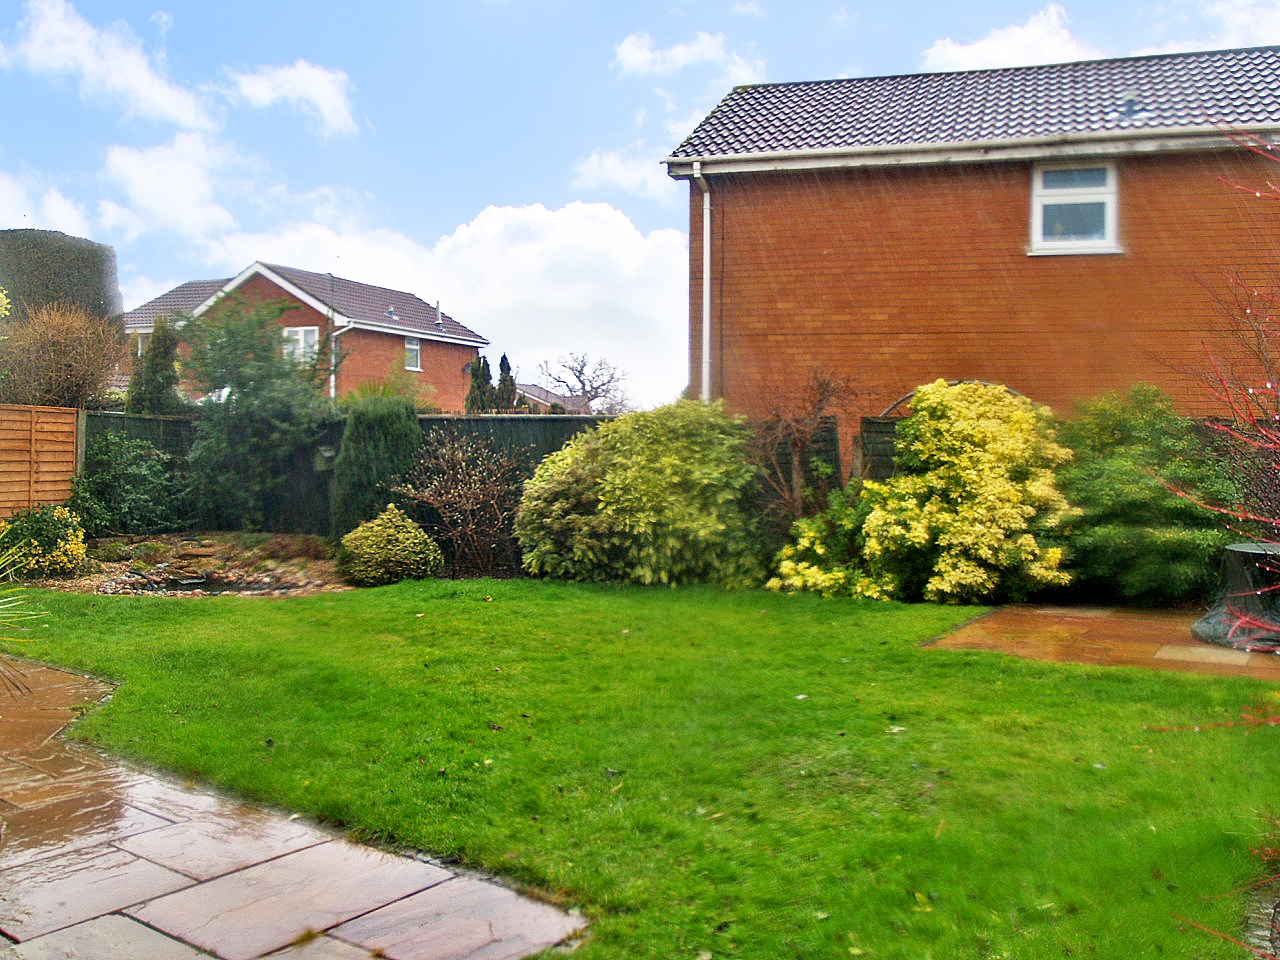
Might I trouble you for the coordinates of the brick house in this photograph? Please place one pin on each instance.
(374, 330)
(1061, 229)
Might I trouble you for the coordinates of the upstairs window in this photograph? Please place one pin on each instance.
(412, 354)
(1073, 209)
(301, 343)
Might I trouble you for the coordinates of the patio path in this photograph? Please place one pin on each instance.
(101, 861)
(1152, 640)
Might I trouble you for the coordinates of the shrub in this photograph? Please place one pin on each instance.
(128, 486)
(826, 551)
(469, 491)
(388, 549)
(57, 355)
(1135, 539)
(153, 388)
(46, 540)
(378, 443)
(653, 497)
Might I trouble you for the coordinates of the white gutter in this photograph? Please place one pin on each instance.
(1059, 145)
(705, 377)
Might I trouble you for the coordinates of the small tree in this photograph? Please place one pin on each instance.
(153, 388)
(262, 409)
(597, 386)
(378, 444)
(504, 398)
(481, 396)
(57, 355)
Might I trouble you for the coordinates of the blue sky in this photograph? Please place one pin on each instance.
(497, 155)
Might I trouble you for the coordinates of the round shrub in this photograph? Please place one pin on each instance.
(128, 486)
(652, 497)
(387, 549)
(46, 540)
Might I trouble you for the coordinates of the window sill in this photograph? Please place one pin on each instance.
(413, 369)
(1065, 251)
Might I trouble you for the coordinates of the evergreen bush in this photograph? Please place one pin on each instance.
(153, 388)
(1136, 539)
(44, 541)
(652, 497)
(388, 549)
(129, 486)
(378, 444)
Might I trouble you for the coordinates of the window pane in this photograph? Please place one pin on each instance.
(1075, 221)
(1069, 179)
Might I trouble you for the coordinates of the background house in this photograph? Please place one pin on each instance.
(1061, 229)
(541, 400)
(377, 331)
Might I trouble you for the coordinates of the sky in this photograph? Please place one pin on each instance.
(499, 156)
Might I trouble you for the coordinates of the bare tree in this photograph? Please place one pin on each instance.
(58, 355)
(596, 385)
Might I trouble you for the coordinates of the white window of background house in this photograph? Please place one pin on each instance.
(412, 354)
(301, 343)
(1073, 209)
(143, 340)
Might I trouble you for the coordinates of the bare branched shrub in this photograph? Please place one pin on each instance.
(467, 490)
(58, 355)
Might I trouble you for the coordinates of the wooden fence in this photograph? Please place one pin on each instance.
(38, 456)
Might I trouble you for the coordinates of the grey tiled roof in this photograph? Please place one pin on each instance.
(1236, 88)
(548, 397)
(181, 299)
(361, 302)
(366, 303)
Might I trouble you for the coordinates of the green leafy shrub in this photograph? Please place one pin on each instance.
(1135, 539)
(129, 486)
(378, 444)
(46, 540)
(653, 497)
(826, 549)
(388, 549)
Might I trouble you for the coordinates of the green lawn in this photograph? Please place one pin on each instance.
(739, 774)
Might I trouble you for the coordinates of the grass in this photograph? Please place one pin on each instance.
(740, 775)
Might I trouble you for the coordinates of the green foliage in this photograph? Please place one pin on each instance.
(5, 306)
(826, 549)
(1135, 539)
(388, 549)
(43, 267)
(481, 396)
(129, 486)
(378, 444)
(262, 410)
(504, 396)
(46, 540)
(153, 388)
(653, 497)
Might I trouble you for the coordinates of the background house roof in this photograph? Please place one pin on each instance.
(1232, 88)
(362, 303)
(547, 397)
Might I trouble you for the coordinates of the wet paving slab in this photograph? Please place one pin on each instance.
(1152, 640)
(98, 860)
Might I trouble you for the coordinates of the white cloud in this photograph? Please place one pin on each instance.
(169, 187)
(315, 90)
(637, 54)
(25, 205)
(1045, 38)
(748, 8)
(54, 39)
(1241, 23)
(538, 283)
(636, 169)
(137, 290)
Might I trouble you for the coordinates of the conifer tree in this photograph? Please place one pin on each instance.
(481, 397)
(505, 395)
(153, 388)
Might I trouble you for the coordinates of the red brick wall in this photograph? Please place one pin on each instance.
(369, 355)
(895, 277)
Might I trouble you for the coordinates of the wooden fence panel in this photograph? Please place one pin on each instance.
(37, 456)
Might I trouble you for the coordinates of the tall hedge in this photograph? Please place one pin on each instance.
(39, 267)
(378, 444)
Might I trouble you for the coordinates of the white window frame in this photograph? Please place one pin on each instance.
(413, 348)
(295, 343)
(1040, 196)
(144, 338)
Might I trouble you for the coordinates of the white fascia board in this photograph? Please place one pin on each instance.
(401, 331)
(1040, 148)
(262, 270)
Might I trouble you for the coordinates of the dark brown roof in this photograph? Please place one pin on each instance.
(1232, 88)
(180, 300)
(547, 397)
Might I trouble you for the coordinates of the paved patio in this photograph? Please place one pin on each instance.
(1152, 640)
(101, 861)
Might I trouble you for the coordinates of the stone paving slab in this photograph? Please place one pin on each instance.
(1152, 640)
(99, 862)
(112, 937)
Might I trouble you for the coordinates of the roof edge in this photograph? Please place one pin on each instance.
(1202, 137)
